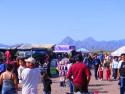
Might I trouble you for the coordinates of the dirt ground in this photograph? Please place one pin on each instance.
(102, 87)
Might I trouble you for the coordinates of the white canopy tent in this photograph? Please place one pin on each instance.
(119, 51)
(83, 50)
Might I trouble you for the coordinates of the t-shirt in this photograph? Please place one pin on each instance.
(7, 54)
(96, 62)
(122, 69)
(30, 80)
(69, 65)
(80, 72)
(115, 64)
(2, 68)
(119, 64)
(20, 69)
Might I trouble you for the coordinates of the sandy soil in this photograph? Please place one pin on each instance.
(102, 87)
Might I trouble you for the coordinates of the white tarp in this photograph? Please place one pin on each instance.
(31, 46)
(47, 46)
(82, 50)
(119, 51)
(25, 46)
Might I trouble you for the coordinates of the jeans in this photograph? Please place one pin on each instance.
(71, 86)
(82, 93)
(8, 87)
(122, 85)
(46, 92)
(114, 73)
(81, 89)
(96, 73)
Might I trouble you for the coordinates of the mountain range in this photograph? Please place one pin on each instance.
(2, 46)
(89, 43)
(92, 44)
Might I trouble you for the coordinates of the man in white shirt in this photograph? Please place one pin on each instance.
(30, 77)
(115, 67)
(119, 64)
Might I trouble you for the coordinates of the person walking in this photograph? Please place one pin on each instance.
(46, 84)
(115, 67)
(8, 56)
(8, 81)
(71, 62)
(2, 69)
(108, 73)
(22, 65)
(81, 75)
(121, 73)
(96, 63)
(100, 72)
(30, 77)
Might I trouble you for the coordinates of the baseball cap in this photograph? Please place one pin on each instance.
(30, 60)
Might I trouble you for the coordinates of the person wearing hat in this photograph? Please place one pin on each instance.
(30, 77)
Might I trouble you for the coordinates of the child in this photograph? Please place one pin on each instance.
(46, 84)
(100, 72)
(62, 73)
(108, 73)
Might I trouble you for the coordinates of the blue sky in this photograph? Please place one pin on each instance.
(49, 21)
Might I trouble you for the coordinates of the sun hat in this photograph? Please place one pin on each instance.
(30, 60)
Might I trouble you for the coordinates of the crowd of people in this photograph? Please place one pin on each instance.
(76, 70)
(105, 67)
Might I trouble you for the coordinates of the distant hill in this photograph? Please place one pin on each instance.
(91, 44)
(2, 46)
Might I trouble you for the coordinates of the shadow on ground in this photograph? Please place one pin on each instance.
(99, 90)
(98, 85)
